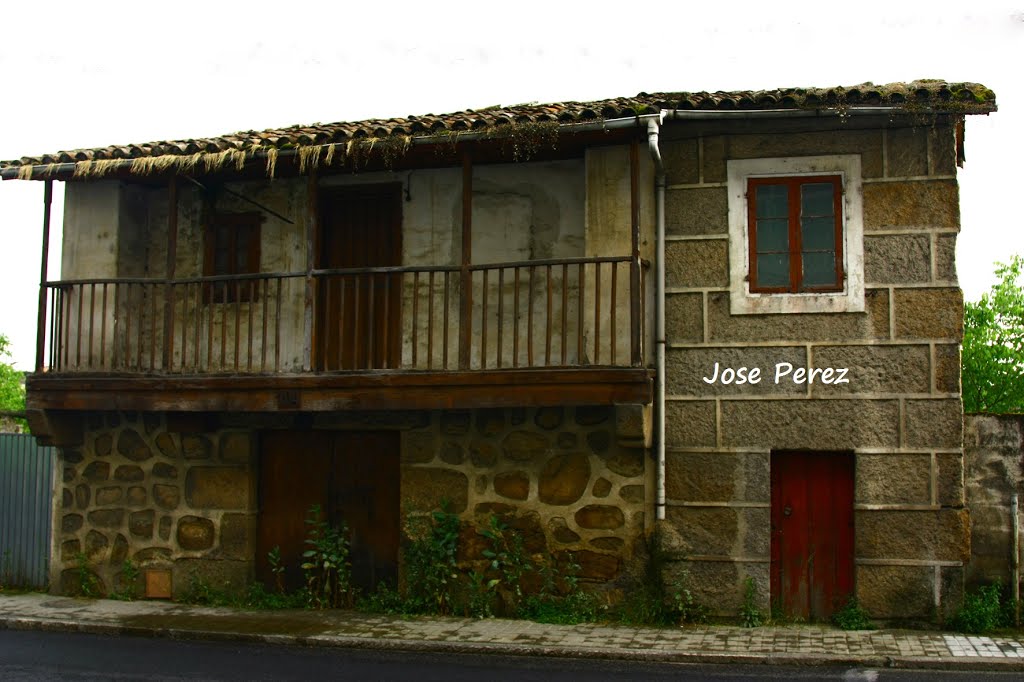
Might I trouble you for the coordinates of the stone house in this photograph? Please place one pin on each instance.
(725, 325)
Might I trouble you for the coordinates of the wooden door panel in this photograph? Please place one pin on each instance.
(812, 532)
(359, 316)
(294, 475)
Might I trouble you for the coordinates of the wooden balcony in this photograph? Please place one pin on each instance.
(413, 337)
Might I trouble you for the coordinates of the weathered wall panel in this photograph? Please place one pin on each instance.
(26, 491)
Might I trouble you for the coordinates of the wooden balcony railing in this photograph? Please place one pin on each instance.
(570, 312)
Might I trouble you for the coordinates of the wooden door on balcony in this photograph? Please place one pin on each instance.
(353, 477)
(358, 316)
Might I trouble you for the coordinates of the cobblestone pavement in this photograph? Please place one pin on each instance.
(790, 644)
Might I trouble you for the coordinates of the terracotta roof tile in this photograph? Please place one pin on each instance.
(918, 96)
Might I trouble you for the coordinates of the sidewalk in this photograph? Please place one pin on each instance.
(809, 645)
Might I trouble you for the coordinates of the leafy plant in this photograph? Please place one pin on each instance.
(129, 582)
(88, 585)
(276, 567)
(993, 347)
(432, 575)
(560, 599)
(750, 615)
(982, 611)
(326, 563)
(852, 617)
(12, 392)
(509, 561)
(480, 597)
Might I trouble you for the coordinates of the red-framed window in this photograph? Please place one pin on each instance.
(795, 233)
(232, 248)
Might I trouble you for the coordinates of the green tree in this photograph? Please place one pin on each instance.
(12, 394)
(993, 353)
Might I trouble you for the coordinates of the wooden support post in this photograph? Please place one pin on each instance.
(636, 349)
(172, 261)
(312, 217)
(466, 295)
(41, 320)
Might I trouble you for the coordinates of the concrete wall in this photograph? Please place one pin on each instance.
(994, 454)
(180, 491)
(900, 413)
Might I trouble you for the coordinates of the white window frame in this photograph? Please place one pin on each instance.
(851, 299)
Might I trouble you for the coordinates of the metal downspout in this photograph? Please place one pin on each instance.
(653, 129)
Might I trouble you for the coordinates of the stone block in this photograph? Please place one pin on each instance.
(455, 422)
(549, 418)
(943, 148)
(131, 445)
(897, 259)
(140, 524)
(942, 534)
(230, 576)
(633, 425)
(896, 591)
(600, 516)
(684, 318)
(194, 446)
(871, 324)
(96, 471)
(418, 447)
(119, 552)
(237, 535)
(951, 591)
(602, 488)
(515, 485)
(875, 369)
(236, 448)
(934, 423)
(687, 368)
(608, 544)
(82, 495)
(561, 532)
(152, 555)
(373, 420)
(423, 489)
(95, 544)
(129, 473)
(945, 257)
(689, 423)
(697, 263)
(164, 470)
(701, 476)
(866, 143)
(907, 152)
(106, 518)
(933, 203)
(166, 496)
(564, 479)
(68, 499)
(136, 496)
(633, 494)
(596, 566)
(950, 492)
(893, 479)
(592, 415)
(599, 441)
(629, 462)
(108, 496)
(681, 159)
(452, 453)
(217, 487)
(715, 585)
(195, 533)
(69, 549)
(525, 446)
(929, 313)
(166, 444)
(70, 523)
(947, 368)
(103, 444)
(718, 531)
(696, 211)
(483, 454)
(810, 424)
(490, 422)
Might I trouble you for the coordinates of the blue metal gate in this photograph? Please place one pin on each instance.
(26, 497)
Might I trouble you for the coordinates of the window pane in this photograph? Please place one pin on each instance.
(819, 234)
(772, 235)
(816, 199)
(773, 270)
(772, 201)
(819, 269)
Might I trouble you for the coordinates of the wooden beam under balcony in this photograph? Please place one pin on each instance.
(373, 390)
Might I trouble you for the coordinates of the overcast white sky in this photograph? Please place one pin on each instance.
(76, 74)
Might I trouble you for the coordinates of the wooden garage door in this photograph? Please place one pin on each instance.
(812, 532)
(353, 477)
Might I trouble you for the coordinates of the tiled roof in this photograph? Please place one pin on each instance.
(923, 96)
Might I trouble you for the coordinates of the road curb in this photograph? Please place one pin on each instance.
(512, 649)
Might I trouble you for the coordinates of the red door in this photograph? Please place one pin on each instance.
(812, 532)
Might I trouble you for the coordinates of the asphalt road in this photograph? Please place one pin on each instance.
(29, 655)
